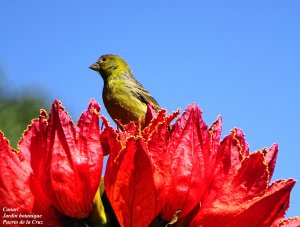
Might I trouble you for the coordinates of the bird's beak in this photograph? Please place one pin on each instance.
(95, 67)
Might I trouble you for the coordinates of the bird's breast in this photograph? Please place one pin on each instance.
(121, 103)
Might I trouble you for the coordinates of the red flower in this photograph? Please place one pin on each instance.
(57, 168)
(187, 176)
(239, 193)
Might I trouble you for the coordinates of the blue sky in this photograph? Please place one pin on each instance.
(239, 59)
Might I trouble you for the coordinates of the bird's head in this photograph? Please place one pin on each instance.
(110, 66)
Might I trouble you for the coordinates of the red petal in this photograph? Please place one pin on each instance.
(290, 222)
(130, 186)
(160, 118)
(15, 174)
(229, 157)
(109, 138)
(251, 179)
(270, 156)
(150, 114)
(268, 208)
(129, 128)
(209, 155)
(260, 211)
(76, 161)
(241, 141)
(89, 145)
(32, 145)
(188, 138)
(157, 150)
(248, 182)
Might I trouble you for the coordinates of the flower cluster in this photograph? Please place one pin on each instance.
(57, 168)
(179, 174)
(188, 177)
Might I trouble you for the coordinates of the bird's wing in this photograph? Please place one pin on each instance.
(144, 96)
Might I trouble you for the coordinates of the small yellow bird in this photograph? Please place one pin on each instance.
(124, 97)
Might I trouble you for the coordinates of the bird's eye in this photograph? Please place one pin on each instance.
(104, 59)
